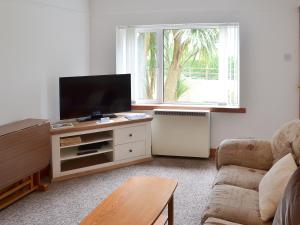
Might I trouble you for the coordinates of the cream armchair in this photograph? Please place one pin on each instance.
(241, 165)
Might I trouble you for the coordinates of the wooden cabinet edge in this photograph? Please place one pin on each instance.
(189, 107)
(93, 126)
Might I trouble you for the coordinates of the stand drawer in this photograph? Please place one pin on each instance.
(130, 150)
(130, 134)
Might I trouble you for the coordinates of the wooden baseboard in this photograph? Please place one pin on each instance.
(149, 159)
(212, 154)
(45, 172)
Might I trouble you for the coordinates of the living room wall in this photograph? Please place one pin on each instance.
(40, 40)
(269, 53)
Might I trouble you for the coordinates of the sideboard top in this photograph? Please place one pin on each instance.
(20, 125)
(90, 125)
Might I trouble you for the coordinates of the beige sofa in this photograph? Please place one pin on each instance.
(241, 164)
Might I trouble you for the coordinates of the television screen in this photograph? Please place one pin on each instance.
(84, 95)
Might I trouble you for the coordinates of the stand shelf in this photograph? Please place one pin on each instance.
(71, 153)
(89, 139)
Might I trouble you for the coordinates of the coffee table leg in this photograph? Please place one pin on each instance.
(171, 211)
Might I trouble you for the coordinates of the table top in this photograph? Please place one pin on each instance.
(20, 125)
(140, 200)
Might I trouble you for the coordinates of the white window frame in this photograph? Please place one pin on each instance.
(159, 29)
(160, 75)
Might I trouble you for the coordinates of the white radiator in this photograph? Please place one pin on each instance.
(181, 133)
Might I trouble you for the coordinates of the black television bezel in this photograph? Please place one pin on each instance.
(105, 75)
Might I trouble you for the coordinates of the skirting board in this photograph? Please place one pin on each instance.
(46, 171)
(102, 169)
(212, 154)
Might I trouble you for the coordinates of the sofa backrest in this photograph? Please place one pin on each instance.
(287, 140)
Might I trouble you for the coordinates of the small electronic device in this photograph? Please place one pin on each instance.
(91, 146)
(105, 120)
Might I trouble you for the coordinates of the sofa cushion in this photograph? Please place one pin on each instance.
(252, 153)
(273, 184)
(216, 221)
(287, 140)
(239, 176)
(234, 204)
(288, 210)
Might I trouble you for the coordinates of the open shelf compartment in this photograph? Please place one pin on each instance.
(71, 152)
(83, 139)
(83, 162)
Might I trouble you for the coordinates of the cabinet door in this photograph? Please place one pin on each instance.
(130, 150)
(130, 134)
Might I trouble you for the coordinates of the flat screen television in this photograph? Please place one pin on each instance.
(84, 96)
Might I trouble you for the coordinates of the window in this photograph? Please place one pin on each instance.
(181, 64)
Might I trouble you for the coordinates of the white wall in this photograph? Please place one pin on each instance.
(40, 40)
(269, 34)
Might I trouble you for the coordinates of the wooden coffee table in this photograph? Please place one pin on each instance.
(139, 201)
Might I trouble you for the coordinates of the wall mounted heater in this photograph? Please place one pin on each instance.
(181, 133)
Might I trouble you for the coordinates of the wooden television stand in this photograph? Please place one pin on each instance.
(125, 142)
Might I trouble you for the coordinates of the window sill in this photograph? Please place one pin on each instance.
(188, 107)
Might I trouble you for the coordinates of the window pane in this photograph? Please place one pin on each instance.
(201, 65)
(147, 66)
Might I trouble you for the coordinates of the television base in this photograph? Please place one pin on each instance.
(89, 118)
(111, 116)
(84, 119)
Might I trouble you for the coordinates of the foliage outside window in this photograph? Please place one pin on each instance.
(181, 64)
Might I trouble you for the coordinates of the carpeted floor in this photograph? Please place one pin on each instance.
(68, 202)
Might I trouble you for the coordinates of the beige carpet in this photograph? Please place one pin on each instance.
(68, 202)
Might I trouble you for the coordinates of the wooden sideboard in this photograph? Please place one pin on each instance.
(24, 152)
(126, 142)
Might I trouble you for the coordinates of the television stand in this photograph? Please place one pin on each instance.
(123, 142)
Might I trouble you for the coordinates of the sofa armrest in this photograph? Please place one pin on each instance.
(252, 153)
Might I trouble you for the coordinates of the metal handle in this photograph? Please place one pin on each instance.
(130, 150)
